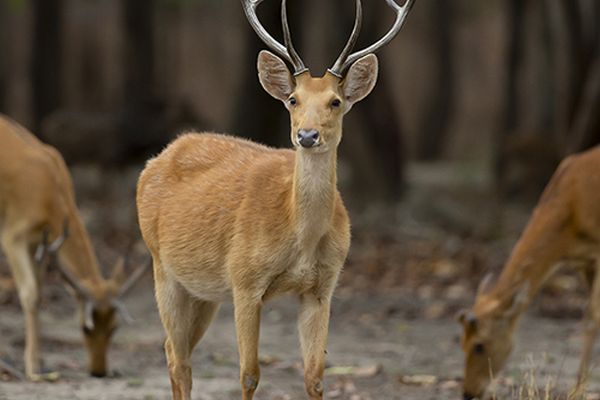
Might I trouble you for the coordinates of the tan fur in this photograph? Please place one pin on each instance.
(229, 220)
(36, 195)
(564, 227)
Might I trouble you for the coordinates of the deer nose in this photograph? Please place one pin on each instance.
(468, 396)
(308, 137)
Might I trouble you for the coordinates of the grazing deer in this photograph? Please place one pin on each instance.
(227, 219)
(564, 228)
(37, 203)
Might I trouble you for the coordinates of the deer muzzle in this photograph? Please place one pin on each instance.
(308, 138)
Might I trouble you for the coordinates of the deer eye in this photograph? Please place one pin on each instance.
(292, 101)
(479, 348)
(335, 103)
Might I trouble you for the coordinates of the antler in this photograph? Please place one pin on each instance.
(346, 59)
(133, 278)
(45, 249)
(74, 282)
(286, 51)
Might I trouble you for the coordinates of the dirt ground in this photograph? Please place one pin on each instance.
(368, 358)
(392, 333)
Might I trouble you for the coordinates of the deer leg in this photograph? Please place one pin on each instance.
(591, 326)
(247, 326)
(26, 280)
(185, 320)
(313, 324)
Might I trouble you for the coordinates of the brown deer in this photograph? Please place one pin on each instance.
(227, 219)
(564, 228)
(37, 203)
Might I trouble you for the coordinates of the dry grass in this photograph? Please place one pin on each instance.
(532, 387)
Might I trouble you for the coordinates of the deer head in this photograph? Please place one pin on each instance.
(488, 335)
(317, 104)
(99, 305)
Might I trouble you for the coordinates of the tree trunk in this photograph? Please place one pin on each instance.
(3, 67)
(378, 113)
(580, 54)
(139, 50)
(547, 79)
(439, 113)
(586, 124)
(515, 21)
(385, 134)
(258, 116)
(47, 56)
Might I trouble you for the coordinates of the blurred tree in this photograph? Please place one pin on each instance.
(3, 67)
(580, 52)
(439, 110)
(581, 114)
(146, 121)
(381, 118)
(515, 21)
(47, 58)
(585, 131)
(546, 78)
(257, 115)
(138, 126)
(380, 164)
(139, 61)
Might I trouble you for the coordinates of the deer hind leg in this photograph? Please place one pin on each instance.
(591, 323)
(313, 325)
(247, 326)
(28, 286)
(185, 320)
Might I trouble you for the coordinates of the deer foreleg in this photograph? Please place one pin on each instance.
(313, 324)
(247, 325)
(591, 326)
(26, 280)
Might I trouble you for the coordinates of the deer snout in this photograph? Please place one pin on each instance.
(468, 396)
(308, 138)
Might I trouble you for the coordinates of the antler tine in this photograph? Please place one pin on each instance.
(337, 67)
(299, 66)
(249, 7)
(75, 283)
(401, 14)
(133, 278)
(44, 248)
(55, 246)
(122, 310)
(41, 250)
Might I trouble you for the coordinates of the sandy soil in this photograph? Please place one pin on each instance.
(383, 349)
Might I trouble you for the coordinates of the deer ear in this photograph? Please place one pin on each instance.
(467, 319)
(274, 76)
(360, 79)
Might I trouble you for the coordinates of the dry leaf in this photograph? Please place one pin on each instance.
(418, 380)
(360, 372)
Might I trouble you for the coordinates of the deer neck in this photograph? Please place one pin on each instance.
(77, 254)
(534, 258)
(313, 195)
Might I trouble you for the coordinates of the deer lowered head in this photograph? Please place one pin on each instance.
(99, 303)
(488, 334)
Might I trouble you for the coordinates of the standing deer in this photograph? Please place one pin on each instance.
(227, 219)
(564, 228)
(37, 203)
